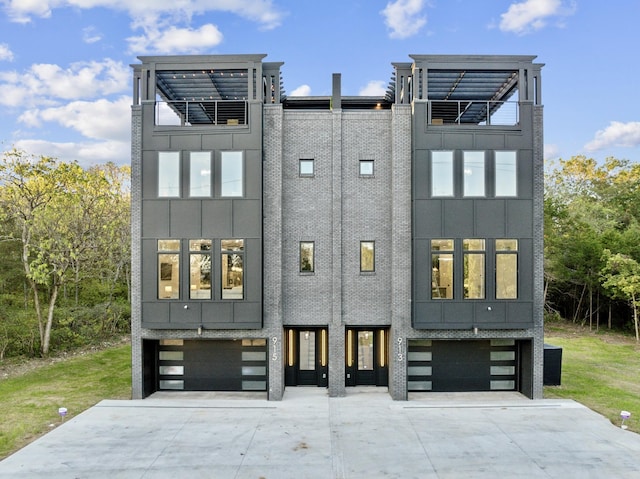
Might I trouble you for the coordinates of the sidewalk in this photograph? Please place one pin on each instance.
(309, 435)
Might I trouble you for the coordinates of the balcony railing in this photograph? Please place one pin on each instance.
(473, 112)
(201, 112)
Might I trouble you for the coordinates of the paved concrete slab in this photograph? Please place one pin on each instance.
(309, 435)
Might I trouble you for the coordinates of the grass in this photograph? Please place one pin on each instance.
(599, 370)
(29, 402)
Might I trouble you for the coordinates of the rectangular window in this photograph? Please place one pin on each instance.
(307, 257)
(473, 173)
(231, 174)
(232, 255)
(306, 167)
(506, 269)
(367, 256)
(442, 269)
(366, 167)
(474, 260)
(442, 173)
(169, 174)
(506, 177)
(200, 174)
(168, 269)
(200, 269)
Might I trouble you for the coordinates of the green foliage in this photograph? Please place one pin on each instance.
(62, 226)
(590, 208)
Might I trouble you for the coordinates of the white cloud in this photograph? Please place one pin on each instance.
(530, 15)
(403, 17)
(616, 134)
(260, 11)
(85, 153)
(100, 120)
(5, 52)
(176, 40)
(551, 151)
(45, 83)
(374, 88)
(91, 35)
(302, 90)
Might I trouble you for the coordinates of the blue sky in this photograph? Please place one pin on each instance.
(65, 80)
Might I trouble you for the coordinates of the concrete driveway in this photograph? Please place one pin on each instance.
(309, 435)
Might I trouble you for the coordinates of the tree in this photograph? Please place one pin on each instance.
(621, 275)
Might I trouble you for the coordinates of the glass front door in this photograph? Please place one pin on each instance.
(366, 357)
(307, 357)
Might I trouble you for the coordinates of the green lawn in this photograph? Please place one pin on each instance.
(30, 402)
(600, 370)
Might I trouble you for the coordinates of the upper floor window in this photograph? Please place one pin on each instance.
(200, 174)
(169, 174)
(367, 256)
(231, 174)
(307, 254)
(506, 177)
(506, 269)
(200, 269)
(473, 169)
(474, 260)
(442, 173)
(232, 268)
(366, 167)
(168, 269)
(306, 167)
(442, 268)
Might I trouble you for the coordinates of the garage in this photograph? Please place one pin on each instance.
(460, 366)
(210, 365)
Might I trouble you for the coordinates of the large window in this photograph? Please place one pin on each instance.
(169, 174)
(231, 173)
(442, 173)
(367, 256)
(506, 269)
(200, 174)
(232, 264)
(474, 256)
(473, 169)
(168, 269)
(506, 179)
(307, 257)
(200, 269)
(442, 269)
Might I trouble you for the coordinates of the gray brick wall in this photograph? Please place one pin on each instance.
(136, 255)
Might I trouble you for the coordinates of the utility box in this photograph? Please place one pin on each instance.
(552, 365)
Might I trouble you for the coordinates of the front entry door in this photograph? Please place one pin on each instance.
(366, 357)
(307, 357)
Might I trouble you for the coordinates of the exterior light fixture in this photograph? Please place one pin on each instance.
(624, 415)
(475, 330)
(200, 328)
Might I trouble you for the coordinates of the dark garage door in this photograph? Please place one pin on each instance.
(459, 366)
(213, 365)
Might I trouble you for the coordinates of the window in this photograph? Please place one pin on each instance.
(442, 269)
(307, 257)
(366, 167)
(442, 173)
(232, 264)
(199, 173)
(474, 260)
(306, 167)
(169, 174)
(506, 179)
(231, 174)
(168, 269)
(473, 173)
(506, 269)
(367, 256)
(200, 269)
